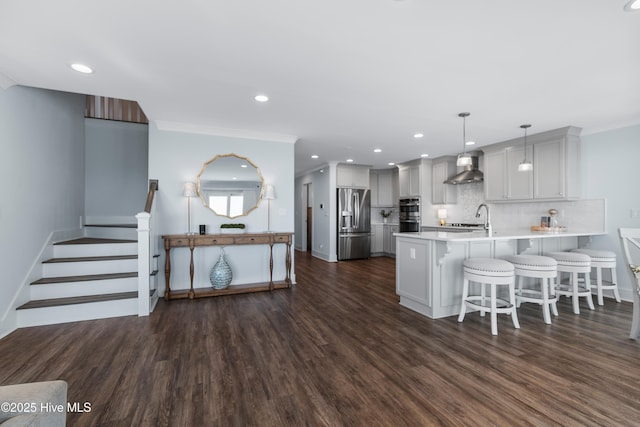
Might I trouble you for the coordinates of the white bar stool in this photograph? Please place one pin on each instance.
(600, 260)
(489, 271)
(574, 263)
(537, 267)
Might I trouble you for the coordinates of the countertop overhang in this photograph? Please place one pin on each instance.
(483, 235)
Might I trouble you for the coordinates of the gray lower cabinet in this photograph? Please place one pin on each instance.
(390, 239)
(377, 239)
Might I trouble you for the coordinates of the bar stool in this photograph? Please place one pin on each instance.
(537, 267)
(600, 260)
(493, 272)
(574, 263)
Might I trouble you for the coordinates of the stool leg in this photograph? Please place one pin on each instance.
(465, 294)
(514, 312)
(587, 279)
(574, 287)
(483, 296)
(518, 302)
(545, 302)
(614, 281)
(599, 285)
(552, 293)
(494, 314)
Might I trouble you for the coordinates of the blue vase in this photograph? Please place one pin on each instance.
(221, 274)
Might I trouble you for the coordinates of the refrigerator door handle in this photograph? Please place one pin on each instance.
(356, 209)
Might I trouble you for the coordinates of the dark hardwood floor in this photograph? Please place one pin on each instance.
(335, 350)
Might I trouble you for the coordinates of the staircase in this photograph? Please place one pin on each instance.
(92, 277)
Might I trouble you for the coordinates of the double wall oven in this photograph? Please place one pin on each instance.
(409, 215)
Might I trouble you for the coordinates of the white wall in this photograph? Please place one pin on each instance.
(41, 182)
(177, 157)
(116, 169)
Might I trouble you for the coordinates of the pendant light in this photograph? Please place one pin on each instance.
(464, 159)
(525, 165)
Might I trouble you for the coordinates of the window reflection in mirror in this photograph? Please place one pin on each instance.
(230, 185)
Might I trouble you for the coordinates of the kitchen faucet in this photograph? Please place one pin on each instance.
(487, 222)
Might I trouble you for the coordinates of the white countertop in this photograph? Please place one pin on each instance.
(496, 235)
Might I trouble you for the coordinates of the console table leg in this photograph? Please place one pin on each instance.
(271, 266)
(288, 279)
(191, 269)
(167, 270)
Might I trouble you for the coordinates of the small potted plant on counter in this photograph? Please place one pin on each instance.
(231, 228)
(385, 214)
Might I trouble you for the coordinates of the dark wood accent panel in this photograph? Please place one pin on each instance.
(84, 278)
(336, 350)
(123, 110)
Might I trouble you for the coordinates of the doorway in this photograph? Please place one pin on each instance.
(309, 217)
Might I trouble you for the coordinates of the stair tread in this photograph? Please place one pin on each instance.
(84, 278)
(57, 302)
(113, 225)
(90, 258)
(93, 241)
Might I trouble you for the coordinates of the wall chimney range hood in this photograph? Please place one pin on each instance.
(470, 174)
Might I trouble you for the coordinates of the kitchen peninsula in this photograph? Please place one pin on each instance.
(429, 264)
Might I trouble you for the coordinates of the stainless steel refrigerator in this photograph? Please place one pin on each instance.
(354, 223)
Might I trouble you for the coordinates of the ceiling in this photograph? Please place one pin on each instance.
(343, 76)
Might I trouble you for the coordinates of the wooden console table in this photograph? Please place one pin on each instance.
(196, 240)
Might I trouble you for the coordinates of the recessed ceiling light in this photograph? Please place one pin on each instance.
(81, 68)
(391, 164)
(424, 155)
(349, 160)
(418, 135)
(314, 156)
(378, 150)
(632, 6)
(470, 143)
(234, 178)
(261, 98)
(243, 166)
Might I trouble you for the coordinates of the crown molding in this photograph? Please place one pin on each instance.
(165, 125)
(6, 82)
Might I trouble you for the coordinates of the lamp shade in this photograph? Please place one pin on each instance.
(269, 192)
(442, 214)
(189, 189)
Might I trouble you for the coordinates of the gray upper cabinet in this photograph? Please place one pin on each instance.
(409, 180)
(502, 180)
(384, 188)
(556, 167)
(441, 170)
(352, 176)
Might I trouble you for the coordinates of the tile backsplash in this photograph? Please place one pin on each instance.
(578, 215)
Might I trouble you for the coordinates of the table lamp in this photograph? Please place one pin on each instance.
(189, 191)
(442, 216)
(269, 195)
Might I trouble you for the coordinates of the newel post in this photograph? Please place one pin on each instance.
(144, 263)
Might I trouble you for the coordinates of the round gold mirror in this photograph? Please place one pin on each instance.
(230, 185)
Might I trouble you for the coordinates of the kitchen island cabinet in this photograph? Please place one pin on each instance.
(429, 264)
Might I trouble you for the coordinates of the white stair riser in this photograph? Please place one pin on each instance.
(76, 312)
(106, 249)
(111, 233)
(81, 268)
(76, 289)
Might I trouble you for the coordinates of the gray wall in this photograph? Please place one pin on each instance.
(610, 171)
(116, 169)
(41, 179)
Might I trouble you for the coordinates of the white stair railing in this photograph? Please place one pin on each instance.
(147, 248)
